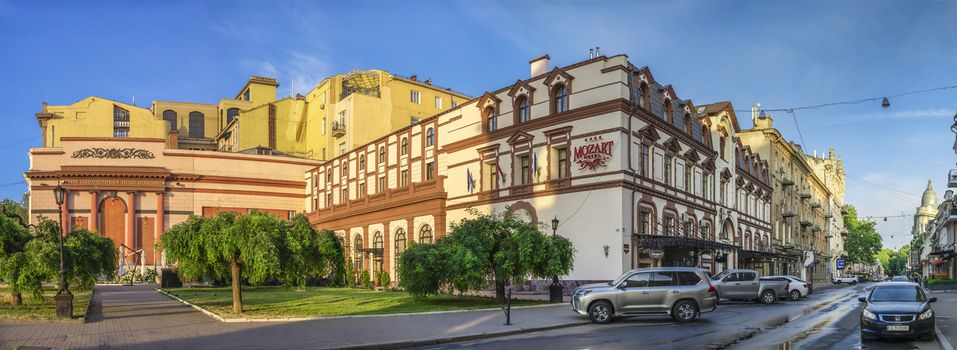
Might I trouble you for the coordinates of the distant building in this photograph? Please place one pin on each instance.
(920, 245)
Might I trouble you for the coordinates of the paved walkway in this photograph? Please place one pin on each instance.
(138, 317)
(946, 309)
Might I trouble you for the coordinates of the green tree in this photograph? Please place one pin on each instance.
(256, 247)
(497, 247)
(29, 259)
(863, 242)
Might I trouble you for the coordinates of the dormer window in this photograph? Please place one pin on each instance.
(522, 112)
(491, 120)
(561, 99)
(668, 110)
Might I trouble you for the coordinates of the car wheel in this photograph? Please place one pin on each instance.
(838, 282)
(795, 295)
(601, 312)
(853, 283)
(684, 311)
(768, 297)
(865, 337)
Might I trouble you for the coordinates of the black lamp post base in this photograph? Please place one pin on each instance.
(64, 304)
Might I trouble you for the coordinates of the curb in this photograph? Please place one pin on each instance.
(455, 339)
(90, 305)
(319, 318)
(942, 339)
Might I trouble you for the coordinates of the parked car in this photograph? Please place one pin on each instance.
(899, 279)
(680, 292)
(745, 284)
(797, 288)
(852, 279)
(897, 309)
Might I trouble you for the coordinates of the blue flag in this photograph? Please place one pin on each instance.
(470, 184)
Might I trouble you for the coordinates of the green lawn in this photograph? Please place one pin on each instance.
(280, 302)
(33, 309)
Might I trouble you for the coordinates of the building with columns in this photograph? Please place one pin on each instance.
(923, 216)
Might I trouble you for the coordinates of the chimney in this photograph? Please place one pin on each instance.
(428, 81)
(43, 107)
(539, 65)
(414, 78)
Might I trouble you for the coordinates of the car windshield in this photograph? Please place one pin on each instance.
(720, 275)
(904, 293)
(619, 278)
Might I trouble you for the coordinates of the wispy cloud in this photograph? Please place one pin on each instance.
(306, 70)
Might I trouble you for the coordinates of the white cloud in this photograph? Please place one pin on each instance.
(305, 69)
(890, 116)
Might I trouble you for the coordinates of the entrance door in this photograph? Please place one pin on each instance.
(112, 220)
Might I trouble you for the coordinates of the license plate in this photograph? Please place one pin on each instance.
(898, 328)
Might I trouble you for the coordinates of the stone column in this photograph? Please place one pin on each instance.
(130, 219)
(159, 225)
(94, 211)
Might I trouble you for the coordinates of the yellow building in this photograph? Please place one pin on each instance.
(340, 112)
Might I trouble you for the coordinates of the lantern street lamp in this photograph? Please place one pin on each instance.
(64, 299)
(555, 291)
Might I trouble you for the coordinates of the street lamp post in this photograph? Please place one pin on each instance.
(555, 291)
(64, 299)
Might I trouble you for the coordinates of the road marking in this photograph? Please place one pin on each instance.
(942, 339)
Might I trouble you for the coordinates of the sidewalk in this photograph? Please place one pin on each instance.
(138, 317)
(946, 310)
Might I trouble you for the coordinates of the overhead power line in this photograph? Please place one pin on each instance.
(853, 102)
(882, 186)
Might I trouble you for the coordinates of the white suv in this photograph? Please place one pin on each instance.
(852, 279)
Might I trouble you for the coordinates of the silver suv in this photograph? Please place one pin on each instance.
(680, 292)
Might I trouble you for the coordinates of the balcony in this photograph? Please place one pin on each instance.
(828, 214)
(787, 213)
(815, 204)
(816, 228)
(806, 222)
(952, 178)
(805, 194)
(338, 128)
(786, 181)
(843, 210)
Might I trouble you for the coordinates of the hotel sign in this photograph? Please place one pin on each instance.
(113, 153)
(594, 154)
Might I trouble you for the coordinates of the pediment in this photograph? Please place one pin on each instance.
(558, 76)
(520, 137)
(488, 100)
(649, 132)
(521, 87)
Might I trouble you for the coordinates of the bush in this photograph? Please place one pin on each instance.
(365, 280)
(384, 279)
(934, 281)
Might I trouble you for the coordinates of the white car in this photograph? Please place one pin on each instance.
(852, 279)
(797, 288)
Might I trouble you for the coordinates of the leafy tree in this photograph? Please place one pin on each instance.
(27, 260)
(16, 210)
(333, 257)
(500, 247)
(257, 247)
(863, 242)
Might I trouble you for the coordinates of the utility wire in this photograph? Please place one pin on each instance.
(882, 186)
(853, 102)
(795, 117)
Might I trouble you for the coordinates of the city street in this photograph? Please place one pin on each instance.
(826, 320)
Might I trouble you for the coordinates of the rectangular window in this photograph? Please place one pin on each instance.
(344, 196)
(562, 163)
(438, 102)
(669, 224)
(526, 169)
(403, 178)
(328, 199)
(429, 171)
(415, 98)
(645, 160)
(706, 186)
(362, 190)
(491, 178)
(323, 125)
(723, 193)
(381, 184)
(644, 218)
(342, 148)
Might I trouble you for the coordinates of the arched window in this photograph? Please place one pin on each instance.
(377, 241)
(381, 154)
(170, 116)
(362, 162)
(522, 109)
(231, 114)
(405, 146)
(430, 137)
(668, 110)
(197, 125)
(357, 254)
(425, 234)
(399, 244)
(561, 99)
(491, 120)
(645, 96)
(688, 123)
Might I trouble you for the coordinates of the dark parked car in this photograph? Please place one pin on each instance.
(897, 309)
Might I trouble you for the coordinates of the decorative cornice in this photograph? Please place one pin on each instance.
(113, 153)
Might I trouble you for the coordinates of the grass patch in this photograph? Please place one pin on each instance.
(280, 302)
(33, 309)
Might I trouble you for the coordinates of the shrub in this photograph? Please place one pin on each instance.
(934, 281)
(384, 279)
(365, 280)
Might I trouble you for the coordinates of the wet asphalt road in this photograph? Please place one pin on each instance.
(828, 319)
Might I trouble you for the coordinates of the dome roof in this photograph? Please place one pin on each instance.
(929, 198)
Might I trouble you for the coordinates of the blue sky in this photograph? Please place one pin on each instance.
(781, 53)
